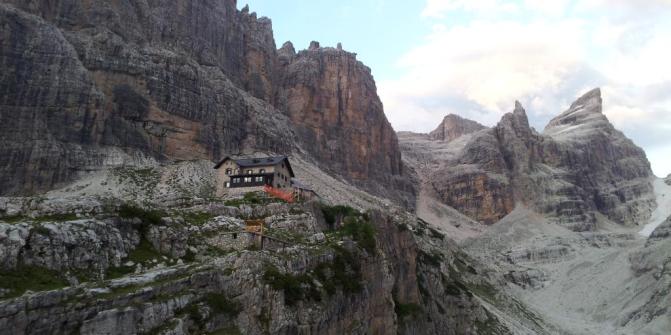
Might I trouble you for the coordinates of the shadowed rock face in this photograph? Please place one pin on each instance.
(97, 83)
(453, 127)
(581, 165)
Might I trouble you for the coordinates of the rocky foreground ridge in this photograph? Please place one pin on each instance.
(148, 251)
(92, 85)
(579, 168)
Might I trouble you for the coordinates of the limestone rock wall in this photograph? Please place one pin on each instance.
(88, 85)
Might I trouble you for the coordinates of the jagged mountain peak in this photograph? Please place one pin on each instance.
(517, 121)
(592, 97)
(454, 126)
(583, 118)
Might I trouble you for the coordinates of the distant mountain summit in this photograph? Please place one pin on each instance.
(454, 126)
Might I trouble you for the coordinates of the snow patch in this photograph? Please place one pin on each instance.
(663, 210)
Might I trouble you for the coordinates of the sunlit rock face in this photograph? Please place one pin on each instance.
(332, 100)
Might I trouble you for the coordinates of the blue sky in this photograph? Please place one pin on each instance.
(379, 31)
(476, 57)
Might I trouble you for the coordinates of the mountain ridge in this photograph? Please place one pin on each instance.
(513, 163)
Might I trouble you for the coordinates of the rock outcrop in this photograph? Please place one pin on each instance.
(453, 127)
(332, 101)
(580, 166)
(89, 85)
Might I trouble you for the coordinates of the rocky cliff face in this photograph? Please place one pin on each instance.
(453, 127)
(87, 85)
(91, 267)
(580, 166)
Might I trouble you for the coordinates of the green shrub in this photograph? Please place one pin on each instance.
(150, 217)
(403, 310)
(361, 232)
(294, 287)
(333, 214)
(222, 305)
(342, 272)
(42, 230)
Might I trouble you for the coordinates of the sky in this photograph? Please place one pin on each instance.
(474, 58)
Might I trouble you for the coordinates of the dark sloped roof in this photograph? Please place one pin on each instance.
(299, 184)
(258, 161)
(261, 161)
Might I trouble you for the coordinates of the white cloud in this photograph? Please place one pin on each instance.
(438, 8)
(543, 53)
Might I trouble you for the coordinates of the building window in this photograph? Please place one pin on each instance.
(259, 179)
(262, 171)
(248, 179)
(237, 171)
(236, 180)
(229, 171)
(250, 171)
(227, 184)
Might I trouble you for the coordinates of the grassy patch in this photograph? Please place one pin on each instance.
(62, 217)
(485, 291)
(197, 218)
(14, 219)
(252, 198)
(118, 272)
(146, 177)
(144, 252)
(33, 278)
